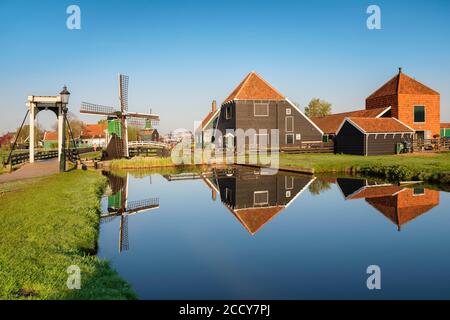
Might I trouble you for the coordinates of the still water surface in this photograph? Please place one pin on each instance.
(247, 234)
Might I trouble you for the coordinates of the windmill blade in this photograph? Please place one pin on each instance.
(96, 109)
(136, 122)
(142, 121)
(149, 116)
(123, 92)
(107, 218)
(134, 207)
(123, 234)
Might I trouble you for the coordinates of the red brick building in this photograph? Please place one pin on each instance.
(411, 102)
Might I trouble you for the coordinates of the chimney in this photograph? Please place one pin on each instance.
(400, 70)
(214, 106)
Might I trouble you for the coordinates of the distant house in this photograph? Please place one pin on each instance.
(50, 140)
(255, 198)
(411, 102)
(7, 139)
(399, 204)
(148, 135)
(255, 104)
(371, 136)
(94, 135)
(205, 132)
(445, 130)
(331, 123)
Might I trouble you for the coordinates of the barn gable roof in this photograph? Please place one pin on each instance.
(330, 124)
(402, 84)
(378, 125)
(254, 87)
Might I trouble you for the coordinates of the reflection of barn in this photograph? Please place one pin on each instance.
(399, 204)
(119, 206)
(256, 196)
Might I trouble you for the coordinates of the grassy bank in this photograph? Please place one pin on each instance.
(49, 224)
(141, 163)
(433, 168)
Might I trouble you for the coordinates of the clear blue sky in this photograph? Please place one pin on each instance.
(182, 54)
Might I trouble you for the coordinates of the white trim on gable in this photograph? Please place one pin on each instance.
(212, 118)
(383, 112)
(304, 115)
(352, 123)
(404, 125)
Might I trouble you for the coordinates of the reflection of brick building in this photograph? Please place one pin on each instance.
(406, 205)
(411, 102)
(399, 204)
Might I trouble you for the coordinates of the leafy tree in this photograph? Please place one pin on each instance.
(76, 125)
(25, 133)
(318, 108)
(318, 186)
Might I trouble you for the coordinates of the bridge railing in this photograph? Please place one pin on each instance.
(18, 158)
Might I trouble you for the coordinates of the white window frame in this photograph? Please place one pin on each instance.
(424, 113)
(288, 193)
(260, 203)
(418, 194)
(286, 138)
(288, 111)
(260, 104)
(291, 185)
(286, 123)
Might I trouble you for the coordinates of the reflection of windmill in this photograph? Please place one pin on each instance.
(119, 206)
(118, 121)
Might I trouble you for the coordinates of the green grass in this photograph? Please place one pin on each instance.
(91, 155)
(432, 167)
(49, 224)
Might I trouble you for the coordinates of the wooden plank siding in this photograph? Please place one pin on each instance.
(350, 140)
(384, 144)
(241, 189)
(243, 117)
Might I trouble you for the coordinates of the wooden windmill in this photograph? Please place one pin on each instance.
(118, 120)
(120, 207)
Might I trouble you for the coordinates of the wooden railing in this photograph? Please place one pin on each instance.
(318, 147)
(421, 145)
(18, 158)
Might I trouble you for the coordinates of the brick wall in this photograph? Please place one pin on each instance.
(383, 102)
(403, 109)
(432, 111)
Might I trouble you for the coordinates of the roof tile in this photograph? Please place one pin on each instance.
(254, 87)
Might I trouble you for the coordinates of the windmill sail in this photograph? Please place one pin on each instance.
(96, 109)
(123, 92)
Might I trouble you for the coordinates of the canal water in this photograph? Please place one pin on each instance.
(252, 234)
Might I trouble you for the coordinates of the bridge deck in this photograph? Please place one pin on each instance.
(32, 170)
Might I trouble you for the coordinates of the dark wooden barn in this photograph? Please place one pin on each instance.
(371, 136)
(258, 109)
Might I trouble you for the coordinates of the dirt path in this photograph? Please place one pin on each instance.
(37, 169)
